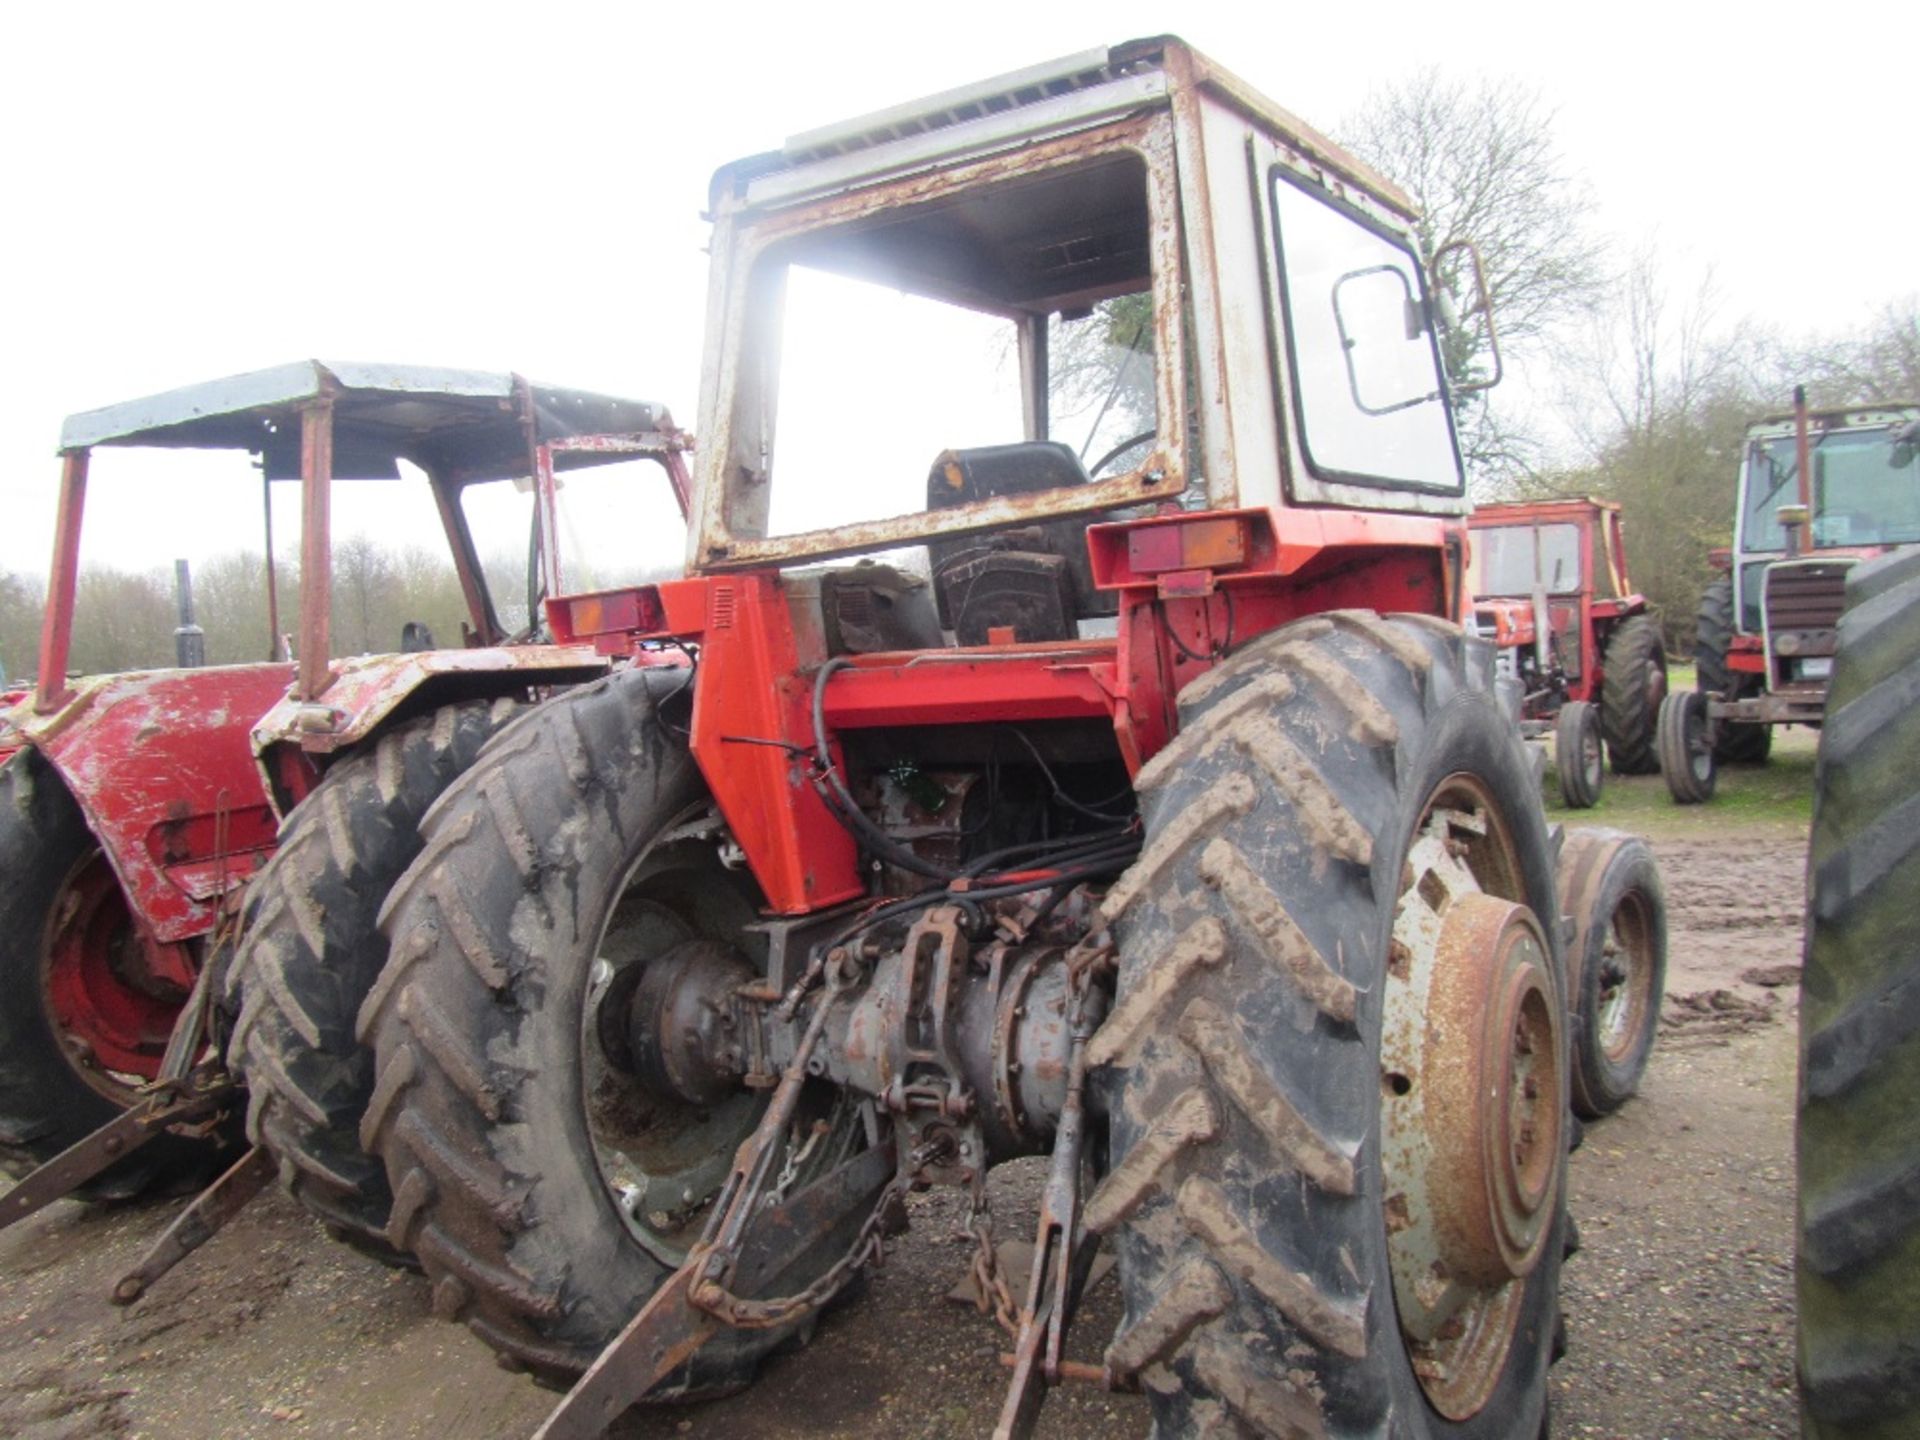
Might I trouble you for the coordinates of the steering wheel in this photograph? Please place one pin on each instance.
(1117, 451)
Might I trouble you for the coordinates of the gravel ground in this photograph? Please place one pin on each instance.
(1680, 1303)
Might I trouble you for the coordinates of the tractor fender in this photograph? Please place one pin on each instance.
(159, 763)
(367, 691)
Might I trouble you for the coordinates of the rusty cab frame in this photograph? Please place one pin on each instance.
(1553, 638)
(1234, 525)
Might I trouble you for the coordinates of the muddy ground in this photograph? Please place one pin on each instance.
(1680, 1304)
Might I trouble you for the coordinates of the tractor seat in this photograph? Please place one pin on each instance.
(1034, 580)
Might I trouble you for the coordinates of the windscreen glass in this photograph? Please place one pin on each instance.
(874, 383)
(1865, 490)
(393, 582)
(1366, 373)
(620, 524)
(1508, 558)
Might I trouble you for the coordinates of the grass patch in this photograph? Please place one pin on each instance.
(1775, 799)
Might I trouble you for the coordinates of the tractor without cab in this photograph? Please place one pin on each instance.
(143, 814)
(1090, 768)
(1550, 589)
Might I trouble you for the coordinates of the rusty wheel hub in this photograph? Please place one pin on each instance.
(1472, 1057)
(1626, 978)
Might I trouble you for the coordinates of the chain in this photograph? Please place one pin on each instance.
(991, 1294)
(870, 1244)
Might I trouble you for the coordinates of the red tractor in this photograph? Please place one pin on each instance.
(1550, 589)
(137, 810)
(1133, 798)
(1819, 492)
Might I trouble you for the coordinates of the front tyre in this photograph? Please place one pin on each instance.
(1337, 1009)
(1735, 742)
(1616, 963)
(1686, 748)
(1635, 683)
(1577, 757)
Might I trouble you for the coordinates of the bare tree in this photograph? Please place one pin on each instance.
(1481, 161)
(1661, 401)
(122, 620)
(1883, 364)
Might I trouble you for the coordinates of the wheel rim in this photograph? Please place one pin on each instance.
(108, 988)
(1656, 689)
(1472, 1055)
(1699, 748)
(1625, 990)
(663, 1159)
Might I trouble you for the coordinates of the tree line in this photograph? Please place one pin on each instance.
(1640, 386)
(125, 619)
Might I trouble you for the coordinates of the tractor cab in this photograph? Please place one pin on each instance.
(1794, 543)
(1819, 491)
(1541, 574)
(1550, 590)
(1068, 339)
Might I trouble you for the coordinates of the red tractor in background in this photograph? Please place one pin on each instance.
(1819, 491)
(1550, 589)
(139, 811)
(1134, 798)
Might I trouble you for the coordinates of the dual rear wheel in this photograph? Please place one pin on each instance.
(1337, 1069)
(312, 951)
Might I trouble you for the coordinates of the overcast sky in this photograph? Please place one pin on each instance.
(194, 190)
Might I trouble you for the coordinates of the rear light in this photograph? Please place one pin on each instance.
(608, 619)
(1216, 543)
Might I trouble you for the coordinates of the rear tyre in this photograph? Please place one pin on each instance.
(1686, 753)
(312, 952)
(1340, 796)
(1859, 1133)
(1736, 743)
(1616, 963)
(1630, 695)
(82, 1024)
(1577, 756)
(544, 1196)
